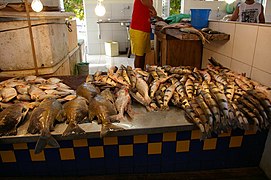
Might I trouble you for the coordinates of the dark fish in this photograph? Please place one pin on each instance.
(75, 111)
(11, 118)
(87, 90)
(102, 108)
(42, 121)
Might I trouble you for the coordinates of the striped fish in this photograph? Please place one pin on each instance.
(189, 88)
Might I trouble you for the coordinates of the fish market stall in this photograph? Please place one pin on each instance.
(151, 121)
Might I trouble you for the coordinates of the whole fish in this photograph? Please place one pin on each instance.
(206, 76)
(125, 75)
(35, 92)
(189, 88)
(132, 76)
(87, 91)
(195, 31)
(123, 104)
(11, 118)
(22, 89)
(143, 88)
(8, 94)
(265, 90)
(75, 112)
(42, 121)
(206, 110)
(155, 85)
(229, 91)
(168, 94)
(102, 109)
(179, 87)
(161, 73)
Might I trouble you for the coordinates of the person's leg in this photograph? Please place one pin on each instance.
(139, 62)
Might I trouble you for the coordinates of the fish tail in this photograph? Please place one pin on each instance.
(44, 139)
(106, 128)
(73, 129)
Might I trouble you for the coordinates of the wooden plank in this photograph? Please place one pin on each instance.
(40, 15)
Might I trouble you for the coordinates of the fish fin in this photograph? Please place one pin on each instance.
(106, 128)
(44, 139)
(73, 129)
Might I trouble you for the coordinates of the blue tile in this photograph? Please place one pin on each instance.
(66, 143)
(183, 135)
(26, 168)
(111, 166)
(140, 149)
(222, 143)
(111, 152)
(31, 145)
(125, 140)
(126, 170)
(237, 132)
(97, 166)
(194, 165)
(10, 169)
(141, 160)
(41, 168)
(6, 147)
(208, 165)
(82, 167)
(140, 169)
(195, 155)
(68, 167)
(196, 145)
(125, 161)
(154, 168)
(181, 166)
(208, 155)
(95, 142)
(155, 137)
(54, 168)
(154, 159)
(167, 167)
(81, 153)
(22, 156)
(52, 154)
(181, 157)
(169, 148)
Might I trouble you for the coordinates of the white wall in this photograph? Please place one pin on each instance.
(213, 5)
(115, 9)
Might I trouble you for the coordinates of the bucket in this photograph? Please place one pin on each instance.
(199, 18)
(82, 68)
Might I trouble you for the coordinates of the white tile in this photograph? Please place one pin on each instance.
(240, 67)
(244, 43)
(205, 56)
(118, 11)
(93, 37)
(106, 35)
(94, 48)
(261, 76)
(262, 52)
(106, 27)
(122, 46)
(120, 36)
(214, 25)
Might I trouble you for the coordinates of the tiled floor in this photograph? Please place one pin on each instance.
(103, 62)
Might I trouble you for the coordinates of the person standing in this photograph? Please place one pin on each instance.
(140, 29)
(249, 11)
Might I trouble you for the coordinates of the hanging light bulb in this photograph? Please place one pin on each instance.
(100, 9)
(36, 5)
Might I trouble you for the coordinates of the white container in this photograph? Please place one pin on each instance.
(111, 48)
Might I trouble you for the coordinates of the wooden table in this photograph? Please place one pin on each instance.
(177, 48)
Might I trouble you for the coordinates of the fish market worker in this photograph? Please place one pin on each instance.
(249, 11)
(140, 29)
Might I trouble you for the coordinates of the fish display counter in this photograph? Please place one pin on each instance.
(149, 140)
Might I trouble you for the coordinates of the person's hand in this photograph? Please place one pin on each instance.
(153, 13)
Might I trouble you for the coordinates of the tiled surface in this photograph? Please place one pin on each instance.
(240, 67)
(244, 43)
(261, 76)
(262, 56)
(150, 153)
(103, 62)
(224, 60)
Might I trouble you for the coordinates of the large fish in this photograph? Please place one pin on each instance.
(102, 108)
(75, 111)
(143, 88)
(132, 76)
(123, 104)
(87, 90)
(11, 118)
(42, 121)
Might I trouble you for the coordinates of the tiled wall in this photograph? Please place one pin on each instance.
(247, 51)
(147, 153)
(115, 9)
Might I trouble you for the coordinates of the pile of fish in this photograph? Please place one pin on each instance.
(215, 99)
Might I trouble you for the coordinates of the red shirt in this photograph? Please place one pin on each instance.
(141, 17)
